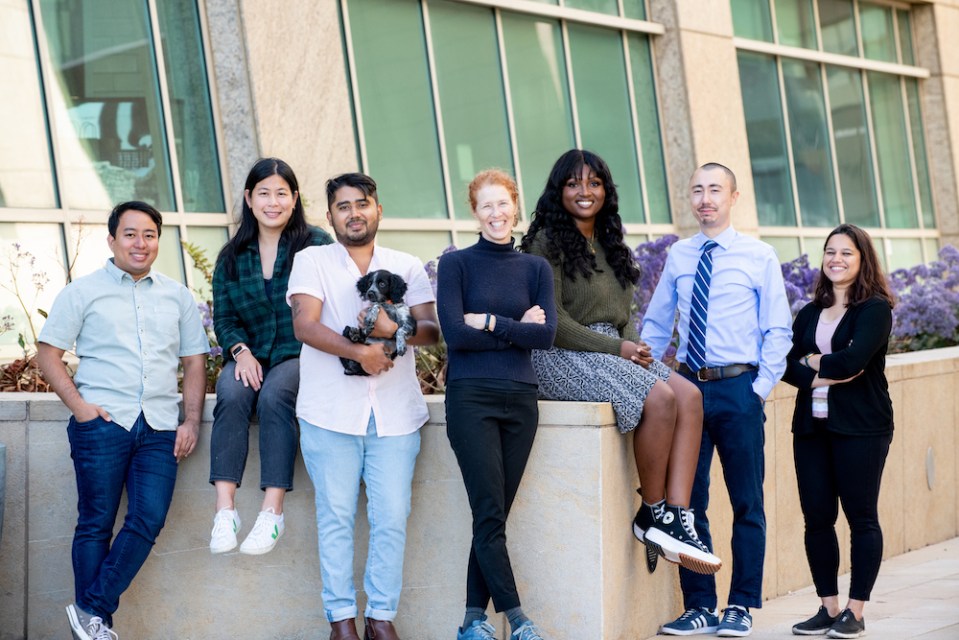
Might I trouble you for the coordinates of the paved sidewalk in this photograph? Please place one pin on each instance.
(916, 596)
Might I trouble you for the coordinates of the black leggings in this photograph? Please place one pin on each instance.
(491, 425)
(831, 468)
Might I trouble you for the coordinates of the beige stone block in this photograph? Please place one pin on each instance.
(785, 533)
(713, 18)
(893, 492)
(15, 532)
(947, 33)
(300, 93)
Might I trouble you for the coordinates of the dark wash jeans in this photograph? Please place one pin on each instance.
(108, 458)
(491, 425)
(279, 431)
(733, 422)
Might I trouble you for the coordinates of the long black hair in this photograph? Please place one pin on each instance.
(563, 240)
(296, 235)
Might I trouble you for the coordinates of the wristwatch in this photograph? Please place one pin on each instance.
(238, 349)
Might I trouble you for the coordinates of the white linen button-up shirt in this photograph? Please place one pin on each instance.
(130, 335)
(329, 398)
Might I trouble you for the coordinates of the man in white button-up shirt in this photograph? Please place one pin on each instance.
(358, 427)
(132, 328)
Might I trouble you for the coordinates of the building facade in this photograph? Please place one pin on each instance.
(827, 110)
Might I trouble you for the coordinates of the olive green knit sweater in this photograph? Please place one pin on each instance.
(582, 301)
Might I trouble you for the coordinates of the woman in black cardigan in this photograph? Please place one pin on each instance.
(842, 425)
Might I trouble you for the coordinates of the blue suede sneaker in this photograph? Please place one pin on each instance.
(693, 621)
(736, 623)
(479, 630)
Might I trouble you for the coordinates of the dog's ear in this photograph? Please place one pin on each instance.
(364, 283)
(397, 288)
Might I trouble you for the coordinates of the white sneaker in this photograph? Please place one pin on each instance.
(87, 627)
(264, 534)
(226, 524)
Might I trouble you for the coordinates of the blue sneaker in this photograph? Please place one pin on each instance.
(693, 621)
(736, 623)
(479, 630)
(527, 631)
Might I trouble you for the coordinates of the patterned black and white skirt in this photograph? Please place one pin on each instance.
(589, 376)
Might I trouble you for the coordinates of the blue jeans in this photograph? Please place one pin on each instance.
(276, 411)
(733, 421)
(106, 458)
(336, 463)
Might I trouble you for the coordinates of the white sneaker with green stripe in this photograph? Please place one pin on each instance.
(265, 533)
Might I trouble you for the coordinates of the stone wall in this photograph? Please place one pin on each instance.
(580, 573)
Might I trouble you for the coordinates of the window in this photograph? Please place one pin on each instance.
(533, 85)
(103, 102)
(834, 122)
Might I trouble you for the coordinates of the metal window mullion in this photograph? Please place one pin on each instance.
(895, 35)
(817, 25)
(833, 155)
(582, 16)
(508, 97)
(907, 123)
(791, 167)
(772, 19)
(214, 105)
(634, 115)
(867, 100)
(167, 115)
(621, 8)
(860, 45)
(437, 109)
(354, 85)
(574, 110)
(47, 77)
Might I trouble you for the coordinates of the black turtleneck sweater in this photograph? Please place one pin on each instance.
(494, 278)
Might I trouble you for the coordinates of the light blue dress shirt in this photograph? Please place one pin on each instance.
(748, 322)
(130, 336)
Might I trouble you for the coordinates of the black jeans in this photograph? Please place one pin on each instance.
(491, 425)
(833, 468)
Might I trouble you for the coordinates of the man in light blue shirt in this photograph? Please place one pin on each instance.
(737, 341)
(132, 327)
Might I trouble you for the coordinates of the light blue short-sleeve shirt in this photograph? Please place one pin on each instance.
(129, 335)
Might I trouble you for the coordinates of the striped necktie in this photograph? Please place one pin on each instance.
(696, 345)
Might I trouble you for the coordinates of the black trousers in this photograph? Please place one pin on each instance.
(833, 469)
(491, 425)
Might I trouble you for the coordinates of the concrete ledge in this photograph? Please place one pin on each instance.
(580, 573)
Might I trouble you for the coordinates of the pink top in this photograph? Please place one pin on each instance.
(824, 332)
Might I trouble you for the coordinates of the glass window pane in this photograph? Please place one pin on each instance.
(26, 173)
(905, 36)
(471, 94)
(767, 139)
(191, 111)
(396, 106)
(634, 9)
(602, 104)
(751, 19)
(878, 39)
(209, 240)
(903, 253)
(540, 96)
(892, 150)
(853, 150)
(106, 105)
(169, 260)
(88, 248)
(796, 23)
(30, 255)
(810, 141)
(786, 248)
(838, 25)
(919, 148)
(814, 249)
(650, 138)
(931, 246)
(425, 245)
(601, 6)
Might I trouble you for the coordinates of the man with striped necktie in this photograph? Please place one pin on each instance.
(734, 334)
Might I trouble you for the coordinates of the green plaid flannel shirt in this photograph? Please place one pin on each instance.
(243, 313)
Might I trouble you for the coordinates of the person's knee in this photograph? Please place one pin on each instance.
(661, 401)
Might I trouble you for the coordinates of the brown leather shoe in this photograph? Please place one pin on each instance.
(380, 630)
(344, 630)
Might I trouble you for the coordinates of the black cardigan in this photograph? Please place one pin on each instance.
(861, 406)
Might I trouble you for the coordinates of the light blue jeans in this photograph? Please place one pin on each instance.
(336, 463)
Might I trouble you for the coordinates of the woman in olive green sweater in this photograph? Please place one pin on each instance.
(597, 355)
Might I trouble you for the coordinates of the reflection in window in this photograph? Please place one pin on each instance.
(751, 19)
(838, 27)
(106, 104)
(795, 23)
(892, 150)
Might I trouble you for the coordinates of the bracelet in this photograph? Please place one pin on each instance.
(486, 324)
(805, 360)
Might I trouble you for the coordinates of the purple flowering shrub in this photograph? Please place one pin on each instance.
(800, 280)
(926, 315)
(651, 258)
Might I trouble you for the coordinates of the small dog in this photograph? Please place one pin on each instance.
(385, 290)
